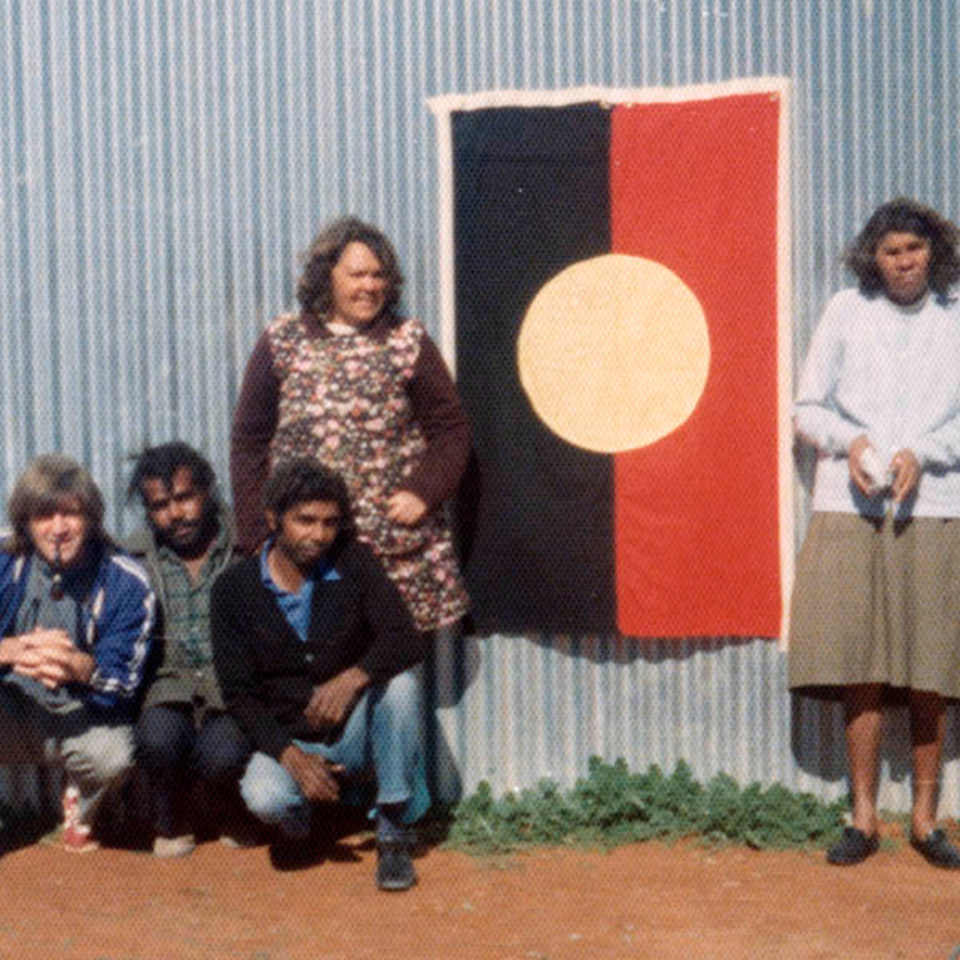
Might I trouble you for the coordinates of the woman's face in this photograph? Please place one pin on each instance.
(358, 285)
(903, 260)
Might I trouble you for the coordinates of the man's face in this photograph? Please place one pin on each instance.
(60, 536)
(305, 532)
(179, 514)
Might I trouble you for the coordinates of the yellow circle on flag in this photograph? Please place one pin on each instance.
(614, 353)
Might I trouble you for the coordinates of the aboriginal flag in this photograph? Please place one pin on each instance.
(616, 283)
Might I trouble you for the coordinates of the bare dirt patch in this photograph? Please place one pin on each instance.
(648, 900)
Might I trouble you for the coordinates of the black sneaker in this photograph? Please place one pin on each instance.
(853, 847)
(394, 865)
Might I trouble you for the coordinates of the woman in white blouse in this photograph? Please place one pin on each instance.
(876, 605)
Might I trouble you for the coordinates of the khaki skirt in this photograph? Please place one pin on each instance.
(877, 601)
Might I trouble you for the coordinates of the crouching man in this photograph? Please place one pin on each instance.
(76, 617)
(183, 733)
(312, 645)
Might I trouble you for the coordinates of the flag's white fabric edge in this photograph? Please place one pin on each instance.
(486, 99)
(785, 361)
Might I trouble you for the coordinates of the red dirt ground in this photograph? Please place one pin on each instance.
(648, 900)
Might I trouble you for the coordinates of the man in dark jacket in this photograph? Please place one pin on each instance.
(184, 731)
(313, 646)
(76, 619)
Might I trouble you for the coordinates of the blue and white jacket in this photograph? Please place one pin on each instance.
(116, 624)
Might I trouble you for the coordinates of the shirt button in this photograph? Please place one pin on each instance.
(308, 657)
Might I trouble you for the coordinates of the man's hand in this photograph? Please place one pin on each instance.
(406, 507)
(316, 776)
(333, 699)
(906, 474)
(48, 656)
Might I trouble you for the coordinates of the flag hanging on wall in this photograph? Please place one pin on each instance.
(615, 300)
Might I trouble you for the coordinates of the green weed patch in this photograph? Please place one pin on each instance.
(612, 806)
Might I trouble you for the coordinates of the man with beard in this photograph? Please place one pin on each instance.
(184, 732)
(313, 646)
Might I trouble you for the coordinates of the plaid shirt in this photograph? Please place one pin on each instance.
(185, 673)
(186, 609)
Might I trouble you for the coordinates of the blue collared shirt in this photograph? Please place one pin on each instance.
(295, 606)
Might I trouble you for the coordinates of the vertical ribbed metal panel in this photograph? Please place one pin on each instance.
(162, 162)
(511, 712)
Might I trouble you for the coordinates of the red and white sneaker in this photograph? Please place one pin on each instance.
(75, 836)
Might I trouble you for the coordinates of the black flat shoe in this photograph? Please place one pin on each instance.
(937, 849)
(853, 847)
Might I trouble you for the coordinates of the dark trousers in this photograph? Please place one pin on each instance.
(175, 752)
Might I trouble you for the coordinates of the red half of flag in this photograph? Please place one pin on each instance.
(694, 186)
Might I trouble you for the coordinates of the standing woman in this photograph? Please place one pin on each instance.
(366, 392)
(876, 604)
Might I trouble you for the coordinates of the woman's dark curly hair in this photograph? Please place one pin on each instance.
(906, 216)
(314, 289)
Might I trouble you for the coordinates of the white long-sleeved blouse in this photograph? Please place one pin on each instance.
(893, 373)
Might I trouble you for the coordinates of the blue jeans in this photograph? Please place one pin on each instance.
(381, 736)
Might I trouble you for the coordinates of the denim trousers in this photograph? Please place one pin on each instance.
(174, 750)
(382, 736)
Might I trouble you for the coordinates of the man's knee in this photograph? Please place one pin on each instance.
(104, 754)
(114, 758)
(222, 750)
(162, 738)
(268, 791)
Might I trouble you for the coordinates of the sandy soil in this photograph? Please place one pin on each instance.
(649, 900)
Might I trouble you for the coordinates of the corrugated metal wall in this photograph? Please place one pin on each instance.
(162, 162)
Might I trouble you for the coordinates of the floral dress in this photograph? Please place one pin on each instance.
(343, 399)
